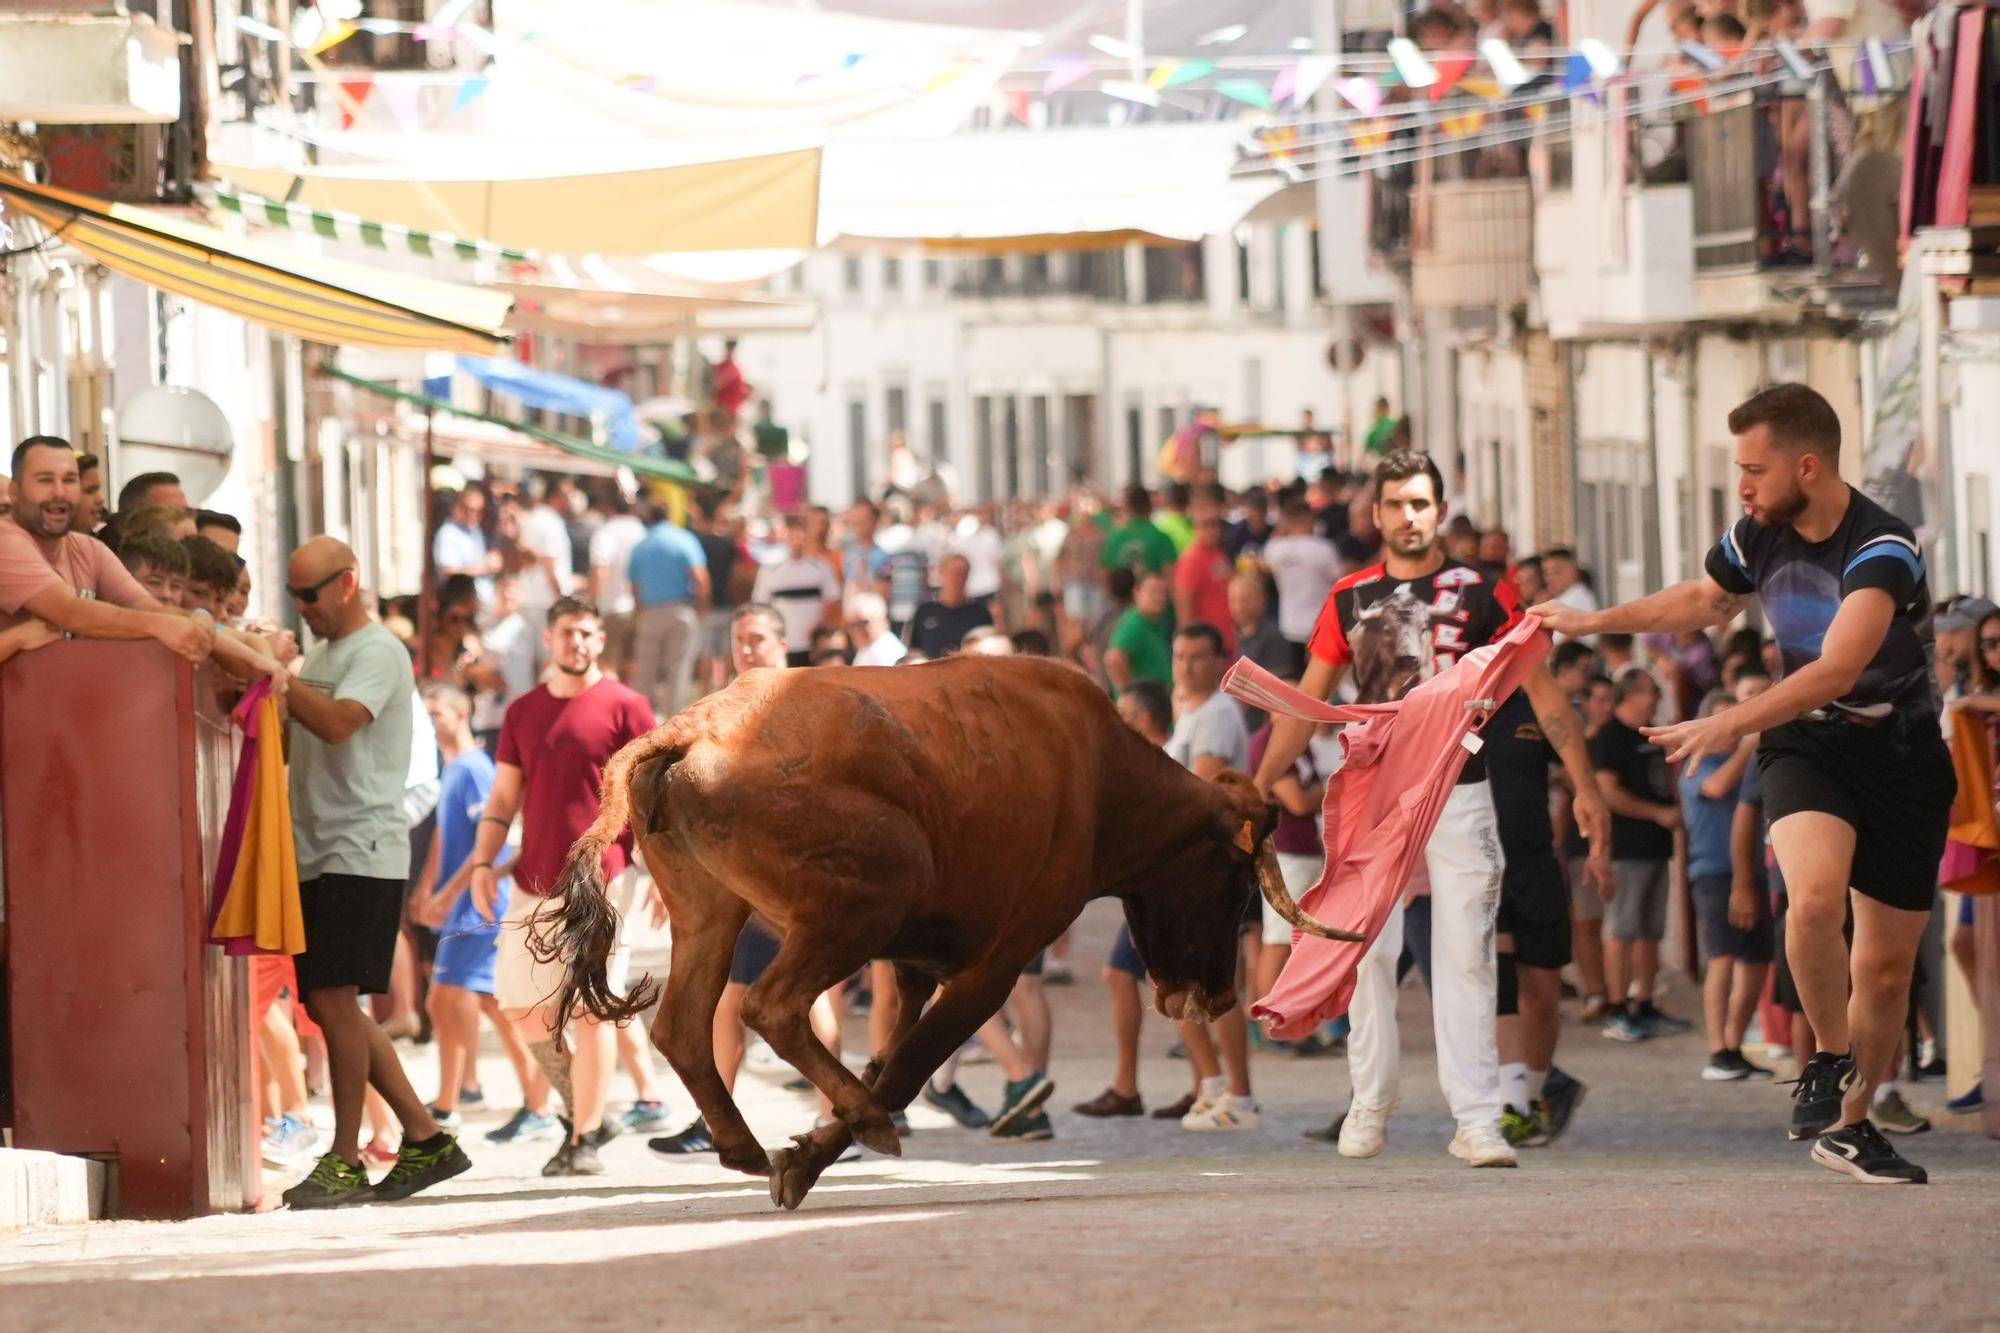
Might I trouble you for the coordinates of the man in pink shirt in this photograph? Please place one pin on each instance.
(73, 582)
(1399, 622)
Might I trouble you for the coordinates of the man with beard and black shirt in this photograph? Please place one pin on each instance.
(1401, 620)
(1856, 779)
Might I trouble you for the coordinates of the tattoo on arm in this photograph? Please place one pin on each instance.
(1726, 605)
(1558, 729)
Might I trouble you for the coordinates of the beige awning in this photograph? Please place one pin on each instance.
(766, 202)
(612, 315)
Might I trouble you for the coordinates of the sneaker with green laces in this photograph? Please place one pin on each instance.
(422, 1165)
(332, 1184)
(1520, 1130)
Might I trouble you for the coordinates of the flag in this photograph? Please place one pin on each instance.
(1313, 72)
(1361, 94)
(1067, 70)
(1449, 69)
(1576, 72)
(1187, 71)
(401, 99)
(469, 91)
(356, 96)
(333, 37)
(1162, 72)
(1247, 91)
(1287, 81)
(1017, 104)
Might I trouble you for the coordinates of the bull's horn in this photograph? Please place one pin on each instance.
(1272, 881)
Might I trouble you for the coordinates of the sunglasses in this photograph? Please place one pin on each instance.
(307, 596)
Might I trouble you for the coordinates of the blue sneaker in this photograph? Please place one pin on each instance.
(471, 1097)
(1621, 1026)
(290, 1141)
(1024, 1097)
(646, 1115)
(1970, 1102)
(526, 1126)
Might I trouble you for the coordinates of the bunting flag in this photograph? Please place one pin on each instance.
(944, 78)
(355, 97)
(1162, 73)
(1313, 72)
(355, 230)
(1450, 68)
(1506, 66)
(1411, 64)
(1067, 70)
(1017, 104)
(1247, 91)
(331, 38)
(1576, 73)
(1364, 95)
(1132, 90)
(1188, 71)
(1288, 80)
(469, 91)
(401, 100)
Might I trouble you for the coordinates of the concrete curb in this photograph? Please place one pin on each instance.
(48, 1189)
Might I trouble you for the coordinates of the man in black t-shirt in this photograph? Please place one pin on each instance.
(938, 628)
(1857, 783)
(1632, 773)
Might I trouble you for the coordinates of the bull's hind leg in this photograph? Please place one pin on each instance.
(913, 991)
(684, 1029)
(779, 1007)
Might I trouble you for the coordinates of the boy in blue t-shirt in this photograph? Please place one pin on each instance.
(1735, 944)
(462, 975)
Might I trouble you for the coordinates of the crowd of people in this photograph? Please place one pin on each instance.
(446, 756)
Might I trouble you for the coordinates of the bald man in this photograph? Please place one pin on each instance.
(350, 752)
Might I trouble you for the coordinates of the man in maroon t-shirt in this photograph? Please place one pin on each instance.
(554, 743)
(1202, 574)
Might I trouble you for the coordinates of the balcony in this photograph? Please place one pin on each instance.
(1615, 247)
(1473, 244)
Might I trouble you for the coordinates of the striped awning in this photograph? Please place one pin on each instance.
(322, 300)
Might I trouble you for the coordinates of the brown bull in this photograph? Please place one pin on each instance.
(951, 818)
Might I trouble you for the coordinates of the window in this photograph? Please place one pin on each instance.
(1080, 440)
(1174, 273)
(934, 423)
(850, 274)
(1034, 274)
(1243, 269)
(1010, 443)
(933, 273)
(982, 444)
(892, 277)
(895, 408)
(1135, 442)
(1041, 457)
(1318, 272)
(857, 440)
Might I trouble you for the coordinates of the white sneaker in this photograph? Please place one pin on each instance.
(1362, 1131)
(1226, 1112)
(1481, 1145)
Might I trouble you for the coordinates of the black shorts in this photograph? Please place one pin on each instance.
(1534, 909)
(351, 924)
(1719, 938)
(755, 948)
(1892, 783)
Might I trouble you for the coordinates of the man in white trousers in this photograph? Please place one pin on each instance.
(1399, 621)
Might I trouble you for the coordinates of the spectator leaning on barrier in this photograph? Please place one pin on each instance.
(74, 583)
(350, 764)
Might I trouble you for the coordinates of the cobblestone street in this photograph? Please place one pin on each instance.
(1665, 1186)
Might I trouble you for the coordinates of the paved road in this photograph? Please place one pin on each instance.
(1671, 1202)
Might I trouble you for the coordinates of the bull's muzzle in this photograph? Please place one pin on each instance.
(1272, 881)
(1192, 1004)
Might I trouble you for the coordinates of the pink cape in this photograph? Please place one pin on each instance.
(1381, 805)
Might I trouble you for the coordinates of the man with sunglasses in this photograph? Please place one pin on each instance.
(352, 721)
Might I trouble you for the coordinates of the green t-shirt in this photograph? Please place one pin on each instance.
(1139, 547)
(1379, 433)
(1148, 645)
(1177, 527)
(773, 440)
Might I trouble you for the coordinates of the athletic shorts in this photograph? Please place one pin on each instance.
(1534, 909)
(1892, 783)
(1639, 899)
(755, 948)
(521, 981)
(1585, 904)
(1300, 873)
(1720, 939)
(351, 922)
(1124, 955)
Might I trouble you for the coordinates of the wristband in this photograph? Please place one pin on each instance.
(482, 865)
(495, 819)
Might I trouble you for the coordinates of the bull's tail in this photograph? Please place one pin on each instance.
(577, 925)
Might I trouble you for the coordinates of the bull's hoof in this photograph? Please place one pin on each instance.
(877, 1132)
(792, 1178)
(751, 1161)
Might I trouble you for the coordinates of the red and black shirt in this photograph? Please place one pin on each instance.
(1397, 632)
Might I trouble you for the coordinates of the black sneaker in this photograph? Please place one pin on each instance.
(1860, 1151)
(954, 1103)
(332, 1184)
(1033, 1128)
(422, 1165)
(526, 1126)
(1331, 1134)
(1561, 1095)
(1750, 1070)
(575, 1159)
(693, 1139)
(1725, 1067)
(1817, 1093)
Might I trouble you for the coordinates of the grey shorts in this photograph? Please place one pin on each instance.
(1639, 902)
(1584, 904)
